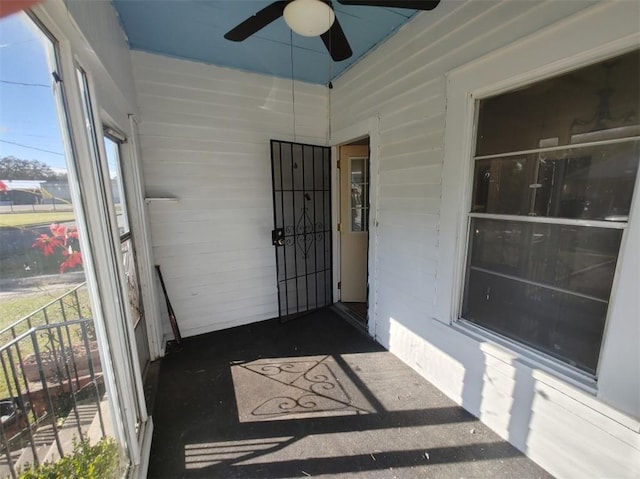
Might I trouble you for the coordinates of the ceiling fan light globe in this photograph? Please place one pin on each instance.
(310, 18)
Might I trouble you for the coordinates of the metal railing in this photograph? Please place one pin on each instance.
(51, 381)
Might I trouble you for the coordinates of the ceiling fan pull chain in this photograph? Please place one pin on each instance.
(329, 88)
(293, 90)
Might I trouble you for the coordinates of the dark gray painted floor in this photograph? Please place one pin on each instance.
(312, 397)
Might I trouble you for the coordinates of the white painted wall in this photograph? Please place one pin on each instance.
(573, 431)
(101, 27)
(204, 136)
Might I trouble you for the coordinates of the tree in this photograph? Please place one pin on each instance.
(12, 168)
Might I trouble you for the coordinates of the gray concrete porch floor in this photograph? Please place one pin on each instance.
(313, 397)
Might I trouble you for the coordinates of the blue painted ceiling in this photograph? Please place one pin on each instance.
(194, 30)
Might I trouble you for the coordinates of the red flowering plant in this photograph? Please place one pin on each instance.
(63, 241)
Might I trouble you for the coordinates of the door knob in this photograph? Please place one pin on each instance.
(277, 237)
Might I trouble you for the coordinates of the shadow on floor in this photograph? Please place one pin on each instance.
(312, 398)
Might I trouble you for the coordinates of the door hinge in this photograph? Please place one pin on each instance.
(339, 284)
(338, 163)
(339, 226)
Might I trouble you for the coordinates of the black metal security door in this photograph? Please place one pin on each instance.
(302, 226)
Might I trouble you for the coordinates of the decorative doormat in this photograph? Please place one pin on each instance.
(291, 388)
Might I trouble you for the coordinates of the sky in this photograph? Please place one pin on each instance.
(27, 109)
(28, 119)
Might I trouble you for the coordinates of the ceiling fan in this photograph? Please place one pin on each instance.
(316, 18)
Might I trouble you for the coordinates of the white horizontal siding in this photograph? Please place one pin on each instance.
(204, 136)
(403, 84)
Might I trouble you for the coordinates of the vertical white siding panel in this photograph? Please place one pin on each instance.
(205, 135)
(403, 84)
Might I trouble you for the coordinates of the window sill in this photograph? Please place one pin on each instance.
(512, 352)
(575, 384)
(169, 199)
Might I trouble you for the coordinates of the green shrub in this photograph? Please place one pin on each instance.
(100, 461)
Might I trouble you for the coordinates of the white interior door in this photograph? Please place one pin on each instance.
(354, 222)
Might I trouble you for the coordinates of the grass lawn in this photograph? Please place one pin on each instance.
(22, 220)
(17, 307)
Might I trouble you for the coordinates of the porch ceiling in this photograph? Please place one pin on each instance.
(194, 30)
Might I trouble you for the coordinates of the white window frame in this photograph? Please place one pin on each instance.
(109, 267)
(105, 292)
(558, 49)
(544, 220)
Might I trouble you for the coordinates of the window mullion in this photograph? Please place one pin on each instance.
(539, 284)
(551, 149)
(551, 220)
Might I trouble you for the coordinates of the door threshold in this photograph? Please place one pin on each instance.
(289, 317)
(351, 316)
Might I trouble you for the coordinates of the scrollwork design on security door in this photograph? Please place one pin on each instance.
(305, 232)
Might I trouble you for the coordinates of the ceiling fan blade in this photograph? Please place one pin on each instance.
(257, 21)
(336, 42)
(412, 4)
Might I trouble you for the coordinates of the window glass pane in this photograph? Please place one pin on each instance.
(356, 220)
(359, 219)
(516, 267)
(502, 185)
(581, 183)
(117, 186)
(359, 194)
(590, 183)
(357, 171)
(579, 259)
(562, 325)
(593, 103)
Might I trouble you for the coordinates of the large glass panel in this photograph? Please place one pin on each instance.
(562, 148)
(593, 103)
(516, 269)
(578, 259)
(52, 388)
(582, 183)
(563, 325)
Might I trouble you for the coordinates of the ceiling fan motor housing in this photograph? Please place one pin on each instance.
(309, 18)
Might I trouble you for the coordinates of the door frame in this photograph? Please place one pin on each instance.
(344, 136)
